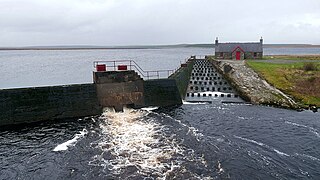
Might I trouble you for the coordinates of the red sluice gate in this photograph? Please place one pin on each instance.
(101, 67)
(122, 67)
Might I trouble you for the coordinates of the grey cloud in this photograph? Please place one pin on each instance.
(125, 22)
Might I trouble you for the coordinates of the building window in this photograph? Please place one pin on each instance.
(255, 54)
(221, 54)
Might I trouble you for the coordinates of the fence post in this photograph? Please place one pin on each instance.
(130, 64)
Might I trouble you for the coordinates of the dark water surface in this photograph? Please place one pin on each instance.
(194, 141)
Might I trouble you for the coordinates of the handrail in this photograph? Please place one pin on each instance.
(199, 56)
(133, 65)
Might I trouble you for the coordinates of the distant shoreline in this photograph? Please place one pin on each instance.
(147, 47)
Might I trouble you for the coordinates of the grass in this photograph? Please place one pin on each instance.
(291, 57)
(295, 79)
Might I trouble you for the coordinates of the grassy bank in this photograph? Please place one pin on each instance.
(300, 80)
(291, 57)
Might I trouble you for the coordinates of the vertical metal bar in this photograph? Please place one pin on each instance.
(130, 64)
(114, 65)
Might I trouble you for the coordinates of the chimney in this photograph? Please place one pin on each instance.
(217, 41)
(261, 40)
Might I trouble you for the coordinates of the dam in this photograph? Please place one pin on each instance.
(124, 83)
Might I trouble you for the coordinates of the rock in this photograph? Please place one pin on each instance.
(251, 86)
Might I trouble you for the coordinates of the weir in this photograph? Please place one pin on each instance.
(207, 85)
(124, 83)
(116, 84)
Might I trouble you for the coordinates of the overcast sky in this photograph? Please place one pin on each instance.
(140, 22)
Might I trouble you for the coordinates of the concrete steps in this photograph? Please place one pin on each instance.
(207, 84)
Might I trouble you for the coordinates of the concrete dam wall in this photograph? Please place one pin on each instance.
(111, 89)
(26, 105)
(182, 76)
(197, 80)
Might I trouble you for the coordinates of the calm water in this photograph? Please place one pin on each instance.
(194, 141)
(43, 68)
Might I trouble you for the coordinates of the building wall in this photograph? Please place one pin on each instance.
(246, 55)
(26, 105)
(242, 55)
(226, 55)
(250, 55)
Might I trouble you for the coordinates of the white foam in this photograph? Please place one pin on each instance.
(263, 145)
(132, 138)
(250, 140)
(194, 103)
(311, 129)
(150, 108)
(136, 142)
(281, 153)
(220, 169)
(64, 146)
(191, 130)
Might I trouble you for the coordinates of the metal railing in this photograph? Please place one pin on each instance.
(199, 56)
(132, 65)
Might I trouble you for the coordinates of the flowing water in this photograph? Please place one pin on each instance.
(193, 141)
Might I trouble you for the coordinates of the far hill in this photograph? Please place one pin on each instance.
(83, 47)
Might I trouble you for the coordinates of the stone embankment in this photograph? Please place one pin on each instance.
(251, 86)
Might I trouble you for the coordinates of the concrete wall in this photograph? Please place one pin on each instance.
(119, 88)
(115, 89)
(182, 77)
(26, 105)
(161, 92)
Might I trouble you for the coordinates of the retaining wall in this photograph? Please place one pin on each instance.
(182, 77)
(161, 92)
(26, 105)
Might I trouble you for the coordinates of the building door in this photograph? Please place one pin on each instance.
(238, 55)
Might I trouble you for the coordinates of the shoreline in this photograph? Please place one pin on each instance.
(276, 46)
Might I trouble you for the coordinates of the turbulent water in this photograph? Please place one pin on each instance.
(193, 141)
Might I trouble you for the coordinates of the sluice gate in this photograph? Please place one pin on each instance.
(207, 85)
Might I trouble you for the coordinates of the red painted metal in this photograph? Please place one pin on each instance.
(101, 67)
(238, 55)
(122, 67)
(131, 65)
(238, 47)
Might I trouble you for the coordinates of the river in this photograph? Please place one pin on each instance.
(193, 141)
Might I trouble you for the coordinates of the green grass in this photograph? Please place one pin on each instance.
(291, 57)
(302, 85)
